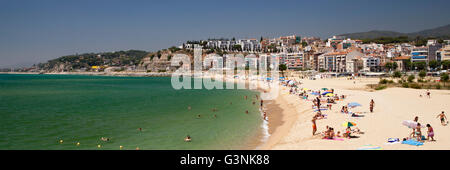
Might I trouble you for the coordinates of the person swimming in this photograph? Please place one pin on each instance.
(187, 138)
(104, 139)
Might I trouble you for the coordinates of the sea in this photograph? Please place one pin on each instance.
(74, 112)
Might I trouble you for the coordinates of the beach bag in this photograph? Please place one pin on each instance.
(391, 140)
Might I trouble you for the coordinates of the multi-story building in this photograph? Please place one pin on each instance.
(294, 60)
(335, 61)
(419, 54)
(341, 61)
(432, 49)
(445, 53)
(371, 64)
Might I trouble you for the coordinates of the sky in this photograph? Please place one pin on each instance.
(33, 31)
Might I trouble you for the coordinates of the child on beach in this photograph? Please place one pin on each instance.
(430, 132)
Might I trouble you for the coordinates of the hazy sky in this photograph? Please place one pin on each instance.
(38, 30)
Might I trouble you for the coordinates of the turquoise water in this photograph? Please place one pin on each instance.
(37, 111)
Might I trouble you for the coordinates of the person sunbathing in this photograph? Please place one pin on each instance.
(348, 132)
(331, 133)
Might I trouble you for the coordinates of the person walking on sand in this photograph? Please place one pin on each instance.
(430, 132)
(314, 126)
(428, 94)
(443, 118)
(372, 103)
(318, 102)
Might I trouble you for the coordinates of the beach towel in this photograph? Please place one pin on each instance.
(392, 143)
(369, 147)
(412, 142)
(337, 139)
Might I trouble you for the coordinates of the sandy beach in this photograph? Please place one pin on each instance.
(292, 130)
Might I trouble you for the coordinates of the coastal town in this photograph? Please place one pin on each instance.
(337, 54)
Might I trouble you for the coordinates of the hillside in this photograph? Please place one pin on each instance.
(439, 32)
(85, 61)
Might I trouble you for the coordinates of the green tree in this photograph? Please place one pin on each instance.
(237, 47)
(282, 68)
(419, 65)
(408, 65)
(434, 64)
(304, 44)
(397, 74)
(394, 65)
(446, 64)
(388, 66)
(444, 78)
(411, 78)
(422, 74)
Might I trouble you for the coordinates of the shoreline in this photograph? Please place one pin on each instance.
(131, 74)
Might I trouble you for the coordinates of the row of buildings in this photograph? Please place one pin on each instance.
(336, 54)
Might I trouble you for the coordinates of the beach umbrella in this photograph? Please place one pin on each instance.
(324, 89)
(348, 124)
(353, 104)
(324, 93)
(411, 124)
(330, 95)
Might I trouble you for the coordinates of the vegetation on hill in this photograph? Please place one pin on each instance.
(87, 60)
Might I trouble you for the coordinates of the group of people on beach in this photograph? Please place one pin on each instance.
(417, 131)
